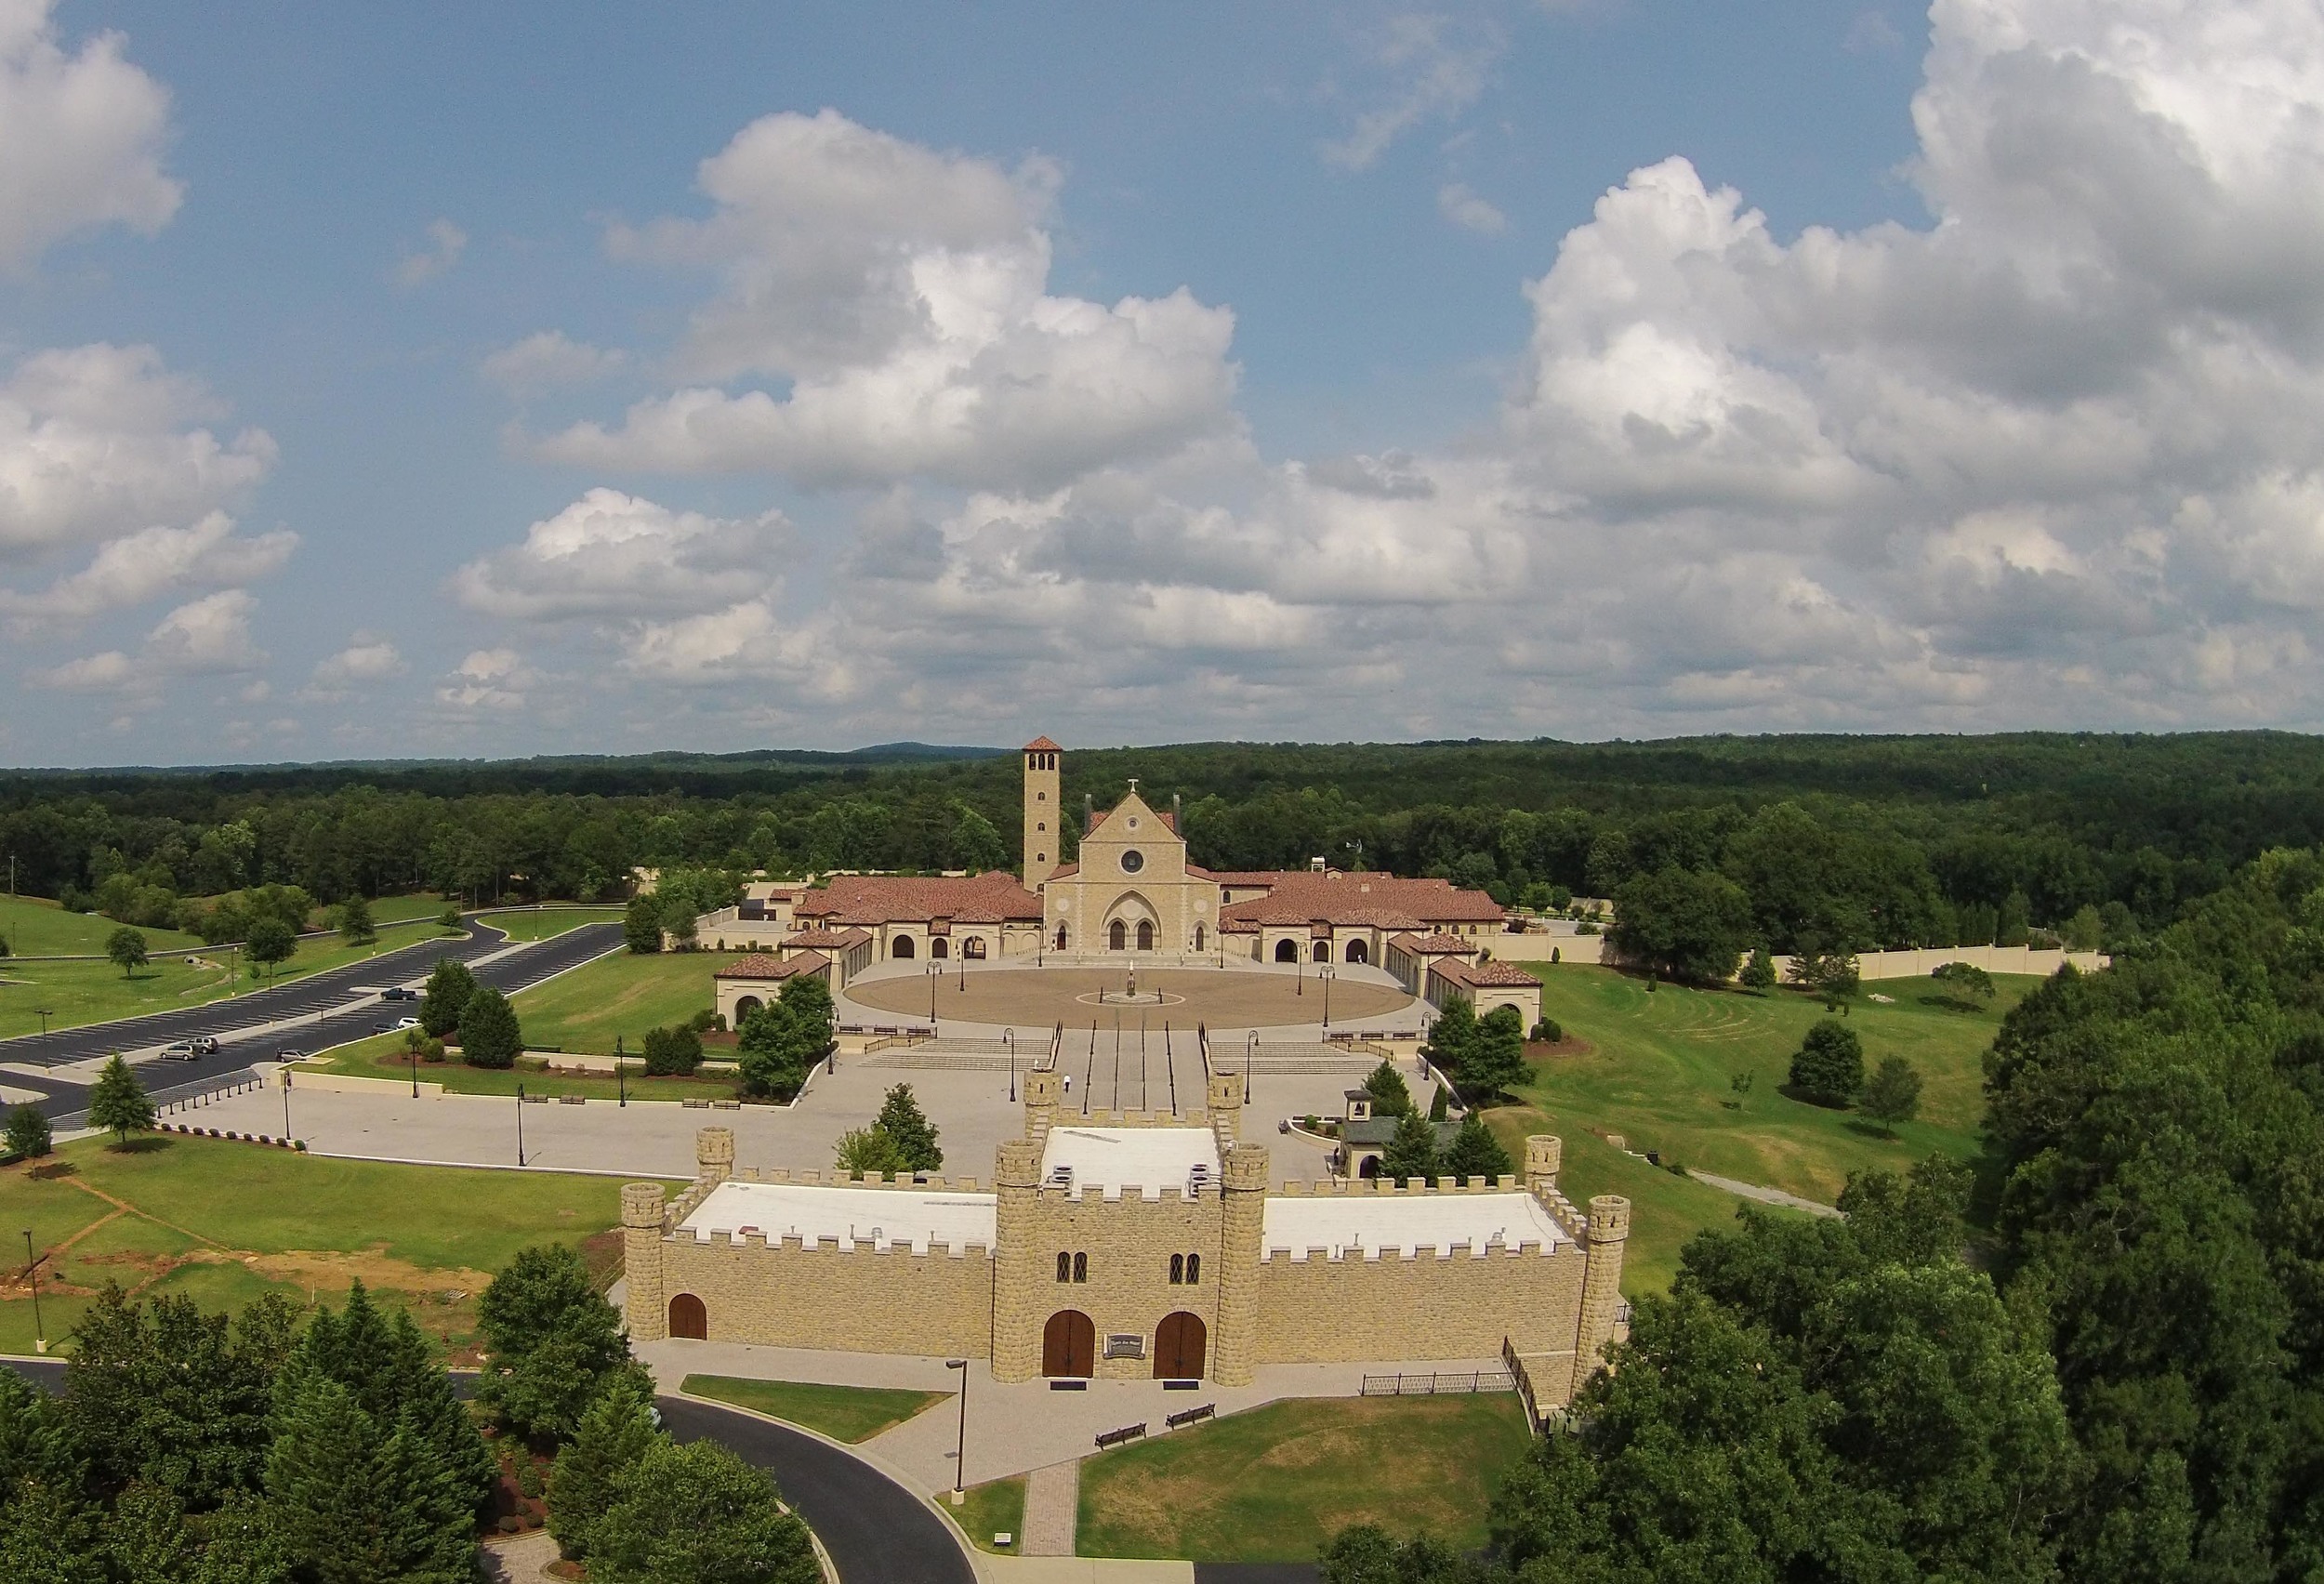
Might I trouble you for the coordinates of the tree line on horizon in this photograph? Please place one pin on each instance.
(1835, 843)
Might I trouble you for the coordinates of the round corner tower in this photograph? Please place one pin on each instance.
(641, 1220)
(1016, 1261)
(1243, 1188)
(1601, 1281)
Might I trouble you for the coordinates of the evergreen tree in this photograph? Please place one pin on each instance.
(771, 1052)
(592, 1472)
(808, 1000)
(1411, 1152)
(1893, 1094)
(1760, 973)
(672, 1051)
(355, 926)
(975, 844)
(1474, 1152)
(1829, 1065)
(355, 1500)
(28, 1135)
(698, 1515)
(239, 1544)
(1440, 1105)
(489, 1034)
(146, 1538)
(1495, 1061)
(449, 986)
(1451, 1034)
(1386, 1086)
(49, 1533)
(118, 1103)
(641, 923)
(901, 1118)
(159, 1391)
(551, 1343)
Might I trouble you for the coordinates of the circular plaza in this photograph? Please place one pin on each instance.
(1076, 996)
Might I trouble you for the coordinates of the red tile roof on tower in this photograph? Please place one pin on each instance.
(1042, 745)
(1380, 902)
(1482, 973)
(989, 898)
(1434, 946)
(761, 966)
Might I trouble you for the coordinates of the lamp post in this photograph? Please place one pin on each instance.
(520, 1124)
(32, 1274)
(960, 1449)
(45, 1014)
(1250, 1055)
(1326, 975)
(411, 1051)
(964, 968)
(1009, 1037)
(286, 1083)
(934, 972)
(621, 1073)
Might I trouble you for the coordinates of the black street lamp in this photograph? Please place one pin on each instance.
(286, 1083)
(1327, 976)
(1009, 1037)
(621, 1073)
(520, 1124)
(32, 1274)
(411, 1050)
(960, 1449)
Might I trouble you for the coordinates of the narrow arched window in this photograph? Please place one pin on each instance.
(1178, 1269)
(1081, 1267)
(1194, 1269)
(1065, 1267)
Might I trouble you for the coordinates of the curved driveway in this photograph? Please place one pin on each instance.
(328, 1008)
(876, 1531)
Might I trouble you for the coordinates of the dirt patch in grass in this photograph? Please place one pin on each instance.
(1542, 1050)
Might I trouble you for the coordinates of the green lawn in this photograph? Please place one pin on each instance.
(1661, 1076)
(843, 1413)
(421, 904)
(382, 1056)
(624, 994)
(1273, 1484)
(78, 993)
(995, 1507)
(225, 1221)
(529, 925)
(35, 926)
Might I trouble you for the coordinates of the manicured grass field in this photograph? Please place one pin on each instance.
(995, 1508)
(224, 1223)
(624, 994)
(1661, 1076)
(843, 1413)
(527, 924)
(35, 926)
(1273, 1484)
(420, 904)
(382, 1056)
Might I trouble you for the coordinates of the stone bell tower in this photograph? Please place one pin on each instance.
(1043, 818)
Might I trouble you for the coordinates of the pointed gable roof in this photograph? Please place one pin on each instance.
(1042, 745)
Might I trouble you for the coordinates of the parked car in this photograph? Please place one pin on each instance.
(204, 1044)
(288, 1055)
(378, 1028)
(399, 993)
(179, 1050)
(407, 1022)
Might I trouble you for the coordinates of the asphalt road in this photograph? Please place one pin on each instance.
(876, 1531)
(323, 1009)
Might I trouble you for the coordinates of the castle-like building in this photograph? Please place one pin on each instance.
(1133, 1245)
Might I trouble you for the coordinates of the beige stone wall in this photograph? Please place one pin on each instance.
(1044, 816)
(785, 1295)
(1102, 890)
(1129, 1242)
(1430, 1305)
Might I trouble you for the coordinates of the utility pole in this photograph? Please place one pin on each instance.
(520, 1124)
(40, 1332)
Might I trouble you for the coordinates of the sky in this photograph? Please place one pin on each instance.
(456, 380)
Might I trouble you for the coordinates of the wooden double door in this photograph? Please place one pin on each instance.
(1069, 1344)
(1181, 1343)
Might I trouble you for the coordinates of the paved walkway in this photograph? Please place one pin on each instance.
(1015, 1427)
(523, 1560)
(1763, 1196)
(1052, 1509)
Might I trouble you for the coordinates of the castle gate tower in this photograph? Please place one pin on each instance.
(1044, 822)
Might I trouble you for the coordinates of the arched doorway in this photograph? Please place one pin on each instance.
(1323, 951)
(1197, 937)
(901, 947)
(1179, 1346)
(1069, 1344)
(744, 1007)
(1287, 951)
(1356, 952)
(973, 948)
(1116, 935)
(1146, 934)
(1368, 1166)
(939, 947)
(688, 1318)
(1060, 937)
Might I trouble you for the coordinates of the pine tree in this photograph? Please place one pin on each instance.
(118, 1103)
(1451, 1034)
(1495, 1061)
(699, 1512)
(355, 926)
(449, 987)
(1829, 1066)
(356, 1500)
(1440, 1105)
(1411, 1152)
(902, 1119)
(1386, 1086)
(551, 1343)
(489, 1034)
(1474, 1152)
(1760, 973)
(641, 923)
(592, 1472)
(1892, 1095)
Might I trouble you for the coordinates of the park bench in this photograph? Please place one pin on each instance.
(1192, 1416)
(1117, 1437)
(573, 1099)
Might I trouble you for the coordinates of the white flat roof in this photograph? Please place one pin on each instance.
(1150, 1159)
(882, 1218)
(1365, 1225)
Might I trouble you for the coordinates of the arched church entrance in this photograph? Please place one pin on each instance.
(901, 948)
(1181, 1343)
(1069, 1344)
(1287, 951)
(1356, 952)
(940, 948)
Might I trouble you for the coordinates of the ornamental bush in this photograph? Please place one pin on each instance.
(1829, 1066)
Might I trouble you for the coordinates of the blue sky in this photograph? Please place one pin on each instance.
(486, 380)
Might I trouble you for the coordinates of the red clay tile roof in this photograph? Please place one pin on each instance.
(1434, 946)
(830, 939)
(1042, 745)
(989, 898)
(761, 966)
(1482, 973)
(1380, 902)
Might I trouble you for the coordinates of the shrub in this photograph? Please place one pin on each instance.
(672, 1051)
(706, 1020)
(1549, 1031)
(1829, 1066)
(489, 1034)
(28, 1135)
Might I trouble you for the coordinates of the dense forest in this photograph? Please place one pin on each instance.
(1852, 842)
(2125, 1385)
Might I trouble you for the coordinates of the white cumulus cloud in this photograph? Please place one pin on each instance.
(546, 361)
(205, 637)
(82, 133)
(614, 555)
